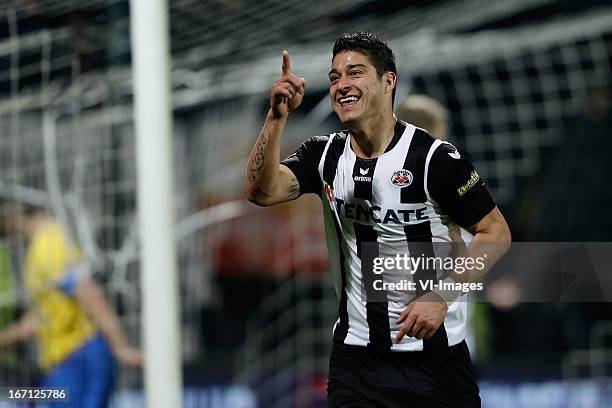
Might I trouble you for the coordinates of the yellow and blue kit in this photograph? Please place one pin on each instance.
(71, 352)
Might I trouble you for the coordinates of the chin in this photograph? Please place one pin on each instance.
(348, 118)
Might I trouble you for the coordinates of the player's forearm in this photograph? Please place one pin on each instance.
(101, 314)
(262, 169)
(9, 336)
(108, 325)
(17, 332)
(488, 247)
(491, 241)
(105, 320)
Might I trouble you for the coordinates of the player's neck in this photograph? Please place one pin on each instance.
(370, 139)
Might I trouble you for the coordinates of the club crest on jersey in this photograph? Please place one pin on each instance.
(402, 178)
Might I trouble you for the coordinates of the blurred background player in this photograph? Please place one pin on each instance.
(425, 112)
(78, 334)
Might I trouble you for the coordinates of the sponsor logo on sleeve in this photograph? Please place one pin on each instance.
(474, 177)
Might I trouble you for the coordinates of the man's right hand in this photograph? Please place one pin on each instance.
(287, 92)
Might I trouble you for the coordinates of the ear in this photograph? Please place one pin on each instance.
(390, 79)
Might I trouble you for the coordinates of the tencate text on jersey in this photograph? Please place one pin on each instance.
(360, 212)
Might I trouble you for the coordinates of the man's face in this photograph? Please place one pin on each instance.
(357, 92)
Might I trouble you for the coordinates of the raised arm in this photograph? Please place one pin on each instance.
(267, 182)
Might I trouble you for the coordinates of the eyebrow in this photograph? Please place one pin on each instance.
(348, 67)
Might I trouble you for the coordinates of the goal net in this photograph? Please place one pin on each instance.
(67, 144)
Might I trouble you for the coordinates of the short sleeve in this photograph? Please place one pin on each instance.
(456, 187)
(71, 277)
(304, 163)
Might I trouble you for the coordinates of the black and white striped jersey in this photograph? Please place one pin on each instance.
(419, 191)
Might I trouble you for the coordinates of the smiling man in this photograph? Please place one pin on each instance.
(387, 188)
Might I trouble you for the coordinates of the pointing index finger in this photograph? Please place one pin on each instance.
(286, 63)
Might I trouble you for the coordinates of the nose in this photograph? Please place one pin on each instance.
(343, 85)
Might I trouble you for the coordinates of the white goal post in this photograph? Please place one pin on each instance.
(155, 192)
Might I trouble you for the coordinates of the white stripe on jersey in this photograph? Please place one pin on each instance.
(432, 149)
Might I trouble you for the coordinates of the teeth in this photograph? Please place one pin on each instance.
(349, 99)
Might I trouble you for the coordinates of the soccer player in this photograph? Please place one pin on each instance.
(77, 331)
(388, 187)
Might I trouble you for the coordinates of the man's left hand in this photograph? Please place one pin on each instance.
(422, 317)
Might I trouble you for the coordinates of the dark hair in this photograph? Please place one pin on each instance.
(376, 50)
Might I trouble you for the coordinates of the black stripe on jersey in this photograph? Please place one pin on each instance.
(334, 151)
(363, 173)
(304, 163)
(398, 131)
(415, 163)
(343, 325)
(330, 165)
(377, 312)
(418, 237)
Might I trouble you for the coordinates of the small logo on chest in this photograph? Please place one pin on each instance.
(402, 178)
(363, 175)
